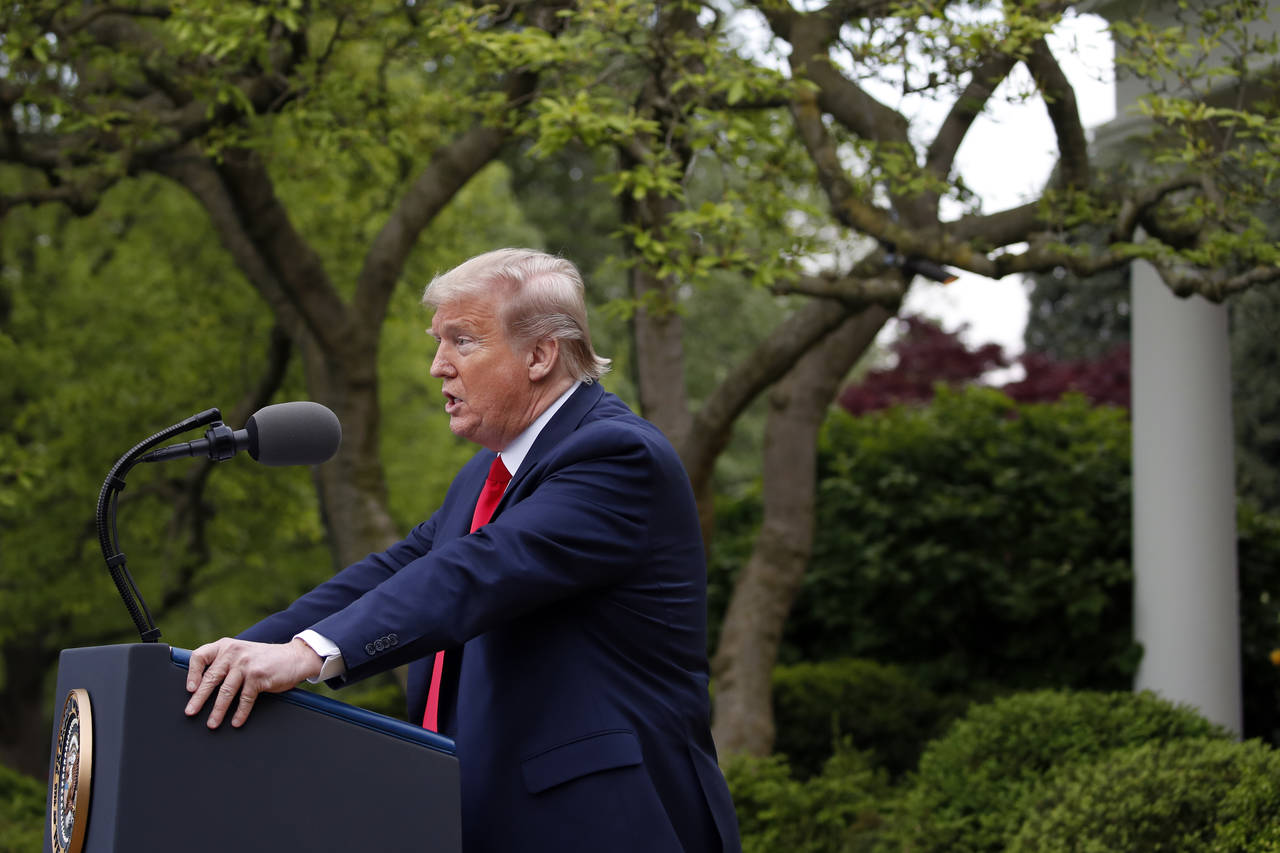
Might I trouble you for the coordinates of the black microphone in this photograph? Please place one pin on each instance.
(296, 433)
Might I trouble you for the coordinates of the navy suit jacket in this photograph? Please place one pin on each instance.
(579, 699)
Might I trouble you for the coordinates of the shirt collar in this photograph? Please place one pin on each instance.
(514, 453)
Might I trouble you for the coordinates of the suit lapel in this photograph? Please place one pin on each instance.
(560, 426)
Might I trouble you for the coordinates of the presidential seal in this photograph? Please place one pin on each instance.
(72, 774)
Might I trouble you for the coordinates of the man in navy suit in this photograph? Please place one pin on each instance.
(572, 623)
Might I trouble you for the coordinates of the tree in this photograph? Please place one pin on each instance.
(923, 357)
(926, 357)
(730, 165)
(884, 182)
(92, 328)
(207, 96)
(92, 98)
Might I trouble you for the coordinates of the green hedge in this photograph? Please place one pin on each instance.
(977, 540)
(878, 707)
(837, 811)
(986, 545)
(972, 787)
(1042, 771)
(22, 801)
(1186, 796)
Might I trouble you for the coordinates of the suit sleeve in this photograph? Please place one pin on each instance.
(585, 524)
(343, 588)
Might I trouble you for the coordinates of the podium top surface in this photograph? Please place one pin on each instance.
(350, 713)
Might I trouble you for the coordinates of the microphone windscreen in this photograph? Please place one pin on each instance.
(296, 433)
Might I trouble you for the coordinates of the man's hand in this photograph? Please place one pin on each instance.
(248, 669)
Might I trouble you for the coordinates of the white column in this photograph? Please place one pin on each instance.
(1186, 612)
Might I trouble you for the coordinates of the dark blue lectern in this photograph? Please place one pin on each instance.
(305, 773)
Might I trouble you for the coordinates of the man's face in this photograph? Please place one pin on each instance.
(488, 391)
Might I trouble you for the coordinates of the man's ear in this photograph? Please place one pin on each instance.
(543, 357)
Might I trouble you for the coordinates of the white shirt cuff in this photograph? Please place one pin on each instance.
(334, 665)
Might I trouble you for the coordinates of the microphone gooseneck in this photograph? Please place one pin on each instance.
(105, 518)
(295, 433)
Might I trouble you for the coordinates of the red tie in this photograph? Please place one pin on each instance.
(494, 485)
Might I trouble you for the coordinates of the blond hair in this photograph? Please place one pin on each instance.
(544, 298)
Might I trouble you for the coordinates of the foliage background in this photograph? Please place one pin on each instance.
(971, 545)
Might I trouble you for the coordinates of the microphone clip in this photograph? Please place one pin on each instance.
(221, 441)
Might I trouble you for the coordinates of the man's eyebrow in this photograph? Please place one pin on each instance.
(453, 328)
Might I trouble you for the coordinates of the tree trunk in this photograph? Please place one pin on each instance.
(659, 356)
(24, 726)
(768, 584)
(351, 486)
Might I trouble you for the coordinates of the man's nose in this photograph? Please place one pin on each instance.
(440, 366)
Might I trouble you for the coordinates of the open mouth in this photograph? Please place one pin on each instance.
(451, 403)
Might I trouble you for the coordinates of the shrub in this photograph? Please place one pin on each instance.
(1187, 796)
(983, 539)
(22, 801)
(878, 707)
(971, 789)
(985, 546)
(834, 812)
(1259, 562)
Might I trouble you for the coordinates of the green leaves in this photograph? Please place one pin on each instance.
(221, 30)
(593, 121)
(975, 538)
(977, 783)
(835, 810)
(1213, 118)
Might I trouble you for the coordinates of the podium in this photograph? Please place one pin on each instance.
(304, 773)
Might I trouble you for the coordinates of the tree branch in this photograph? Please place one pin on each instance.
(114, 94)
(292, 263)
(449, 170)
(847, 206)
(811, 36)
(1133, 210)
(1043, 257)
(190, 169)
(80, 198)
(159, 13)
(856, 293)
(982, 85)
(769, 362)
(1060, 101)
(767, 585)
(1214, 285)
(1015, 225)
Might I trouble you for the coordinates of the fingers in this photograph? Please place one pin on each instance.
(229, 668)
(204, 673)
(195, 668)
(230, 686)
(247, 698)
